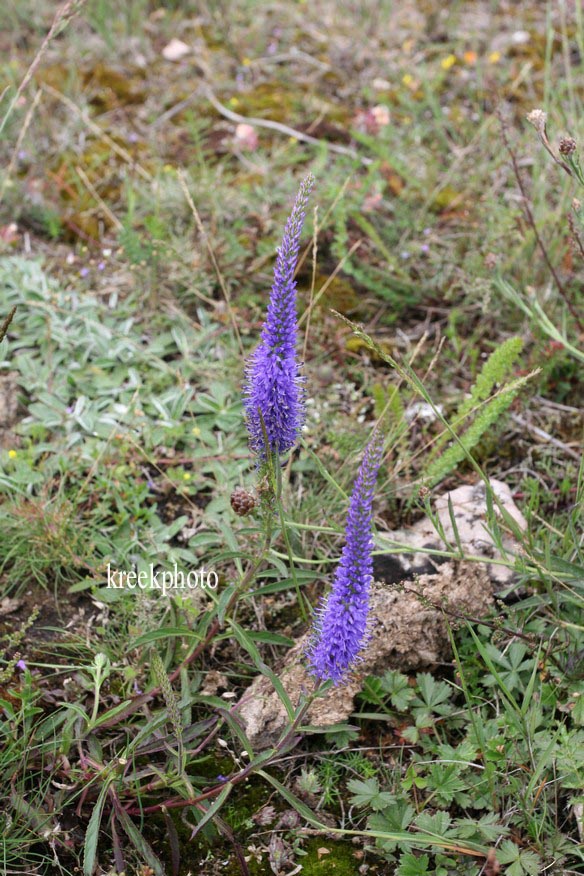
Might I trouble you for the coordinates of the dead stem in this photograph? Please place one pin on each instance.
(531, 221)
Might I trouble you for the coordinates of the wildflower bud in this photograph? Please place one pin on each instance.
(567, 146)
(242, 501)
(538, 119)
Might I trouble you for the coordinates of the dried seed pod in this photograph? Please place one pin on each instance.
(242, 501)
(567, 146)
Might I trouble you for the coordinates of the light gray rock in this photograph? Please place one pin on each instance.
(469, 510)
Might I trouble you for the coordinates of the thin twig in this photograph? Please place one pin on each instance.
(6, 324)
(283, 129)
(545, 436)
(531, 221)
(313, 282)
(576, 237)
(468, 618)
(99, 132)
(324, 287)
(95, 194)
(63, 16)
(18, 144)
(203, 233)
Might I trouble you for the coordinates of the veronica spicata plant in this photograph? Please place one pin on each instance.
(273, 391)
(340, 628)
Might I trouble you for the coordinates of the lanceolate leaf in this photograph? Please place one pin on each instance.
(92, 832)
(141, 845)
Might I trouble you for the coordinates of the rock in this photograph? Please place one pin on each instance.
(214, 682)
(8, 605)
(469, 509)
(246, 137)
(175, 50)
(408, 633)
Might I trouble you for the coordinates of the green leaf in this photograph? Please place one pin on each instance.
(164, 633)
(445, 778)
(399, 836)
(484, 653)
(109, 715)
(489, 414)
(214, 808)
(497, 367)
(366, 793)
(434, 699)
(141, 845)
(397, 817)
(398, 687)
(244, 640)
(578, 710)
(488, 826)
(518, 862)
(92, 832)
(409, 865)
(436, 824)
(268, 638)
(432, 693)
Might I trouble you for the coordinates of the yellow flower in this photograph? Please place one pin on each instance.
(448, 62)
(494, 57)
(233, 101)
(12, 454)
(246, 62)
(186, 476)
(196, 431)
(407, 79)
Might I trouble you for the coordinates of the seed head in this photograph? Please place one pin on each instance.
(567, 146)
(538, 119)
(242, 501)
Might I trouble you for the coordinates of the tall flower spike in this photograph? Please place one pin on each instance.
(273, 391)
(340, 628)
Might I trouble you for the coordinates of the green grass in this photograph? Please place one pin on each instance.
(130, 439)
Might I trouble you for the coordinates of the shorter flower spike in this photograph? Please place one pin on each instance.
(273, 395)
(340, 628)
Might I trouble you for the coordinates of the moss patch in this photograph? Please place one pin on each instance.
(326, 856)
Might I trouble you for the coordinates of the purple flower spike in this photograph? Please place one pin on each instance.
(273, 382)
(340, 628)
